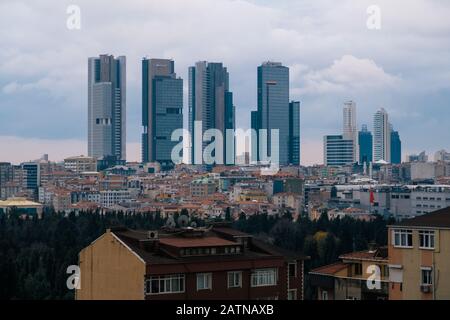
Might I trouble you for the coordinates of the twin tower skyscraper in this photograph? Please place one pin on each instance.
(210, 102)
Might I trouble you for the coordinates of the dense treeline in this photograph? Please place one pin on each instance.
(35, 253)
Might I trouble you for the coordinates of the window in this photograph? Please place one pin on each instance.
(165, 284)
(235, 279)
(427, 276)
(358, 269)
(292, 294)
(264, 277)
(204, 281)
(426, 239)
(324, 295)
(402, 238)
(292, 269)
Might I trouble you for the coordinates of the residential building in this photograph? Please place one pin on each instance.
(351, 277)
(188, 264)
(350, 130)
(81, 164)
(107, 107)
(381, 136)
(162, 110)
(419, 257)
(337, 151)
(202, 187)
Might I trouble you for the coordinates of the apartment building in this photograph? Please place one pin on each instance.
(188, 263)
(419, 257)
(350, 278)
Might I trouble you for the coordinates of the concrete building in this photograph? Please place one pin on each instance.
(442, 155)
(347, 279)
(419, 257)
(162, 110)
(337, 151)
(107, 107)
(381, 136)
(80, 164)
(188, 264)
(350, 129)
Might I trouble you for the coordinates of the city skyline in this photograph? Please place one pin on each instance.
(323, 73)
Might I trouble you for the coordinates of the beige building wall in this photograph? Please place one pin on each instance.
(110, 271)
(412, 259)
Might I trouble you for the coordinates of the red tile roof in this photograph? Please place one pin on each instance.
(196, 242)
(330, 269)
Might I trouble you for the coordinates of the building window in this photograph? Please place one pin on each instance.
(235, 279)
(165, 284)
(204, 281)
(264, 277)
(324, 295)
(292, 269)
(402, 238)
(427, 276)
(292, 294)
(426, 239)
(358, 269)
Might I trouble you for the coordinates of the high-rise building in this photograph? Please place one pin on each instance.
(211, 102)
(350, 130)
(162, 110)
(107, 107)
(442, 155)
(273, 106)
(381, 136)
(294, 133)
(365, 145)
(396, 148)
(337, 151)
(254, 143)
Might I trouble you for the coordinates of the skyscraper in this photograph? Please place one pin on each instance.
(381, 136)
(273, 106)
(211, 102)
(365, 141)
(162, 110)
(350, 130)
(107, 107)
(294, 133)
(396, 148)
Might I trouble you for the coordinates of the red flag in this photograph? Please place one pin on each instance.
(372, 197)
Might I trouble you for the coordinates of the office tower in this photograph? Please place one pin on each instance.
(396, 148)
(421, 157)
(211, 102)
(107, 107)
(350, 130)
(365, 141)
(337, 151)
(294, 133)
(273, 106)
(381, 136)
(442, 155)
(254, 142)
(162, 110)
(6, 176)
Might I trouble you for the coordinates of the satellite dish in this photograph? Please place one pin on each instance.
(194, 224)
(183, 221)
(170, 223)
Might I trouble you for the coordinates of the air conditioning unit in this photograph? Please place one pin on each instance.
(425, 288)
(152, 235)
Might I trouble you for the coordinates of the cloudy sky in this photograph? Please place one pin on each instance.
(333, 56)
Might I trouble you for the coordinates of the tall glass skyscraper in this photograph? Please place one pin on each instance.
(162, 110)
(365, 141)
(294, 133)
(107, 107)
(211, 102)
(337, 151)
(349, 126)
(396, 148)
(273, 106)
